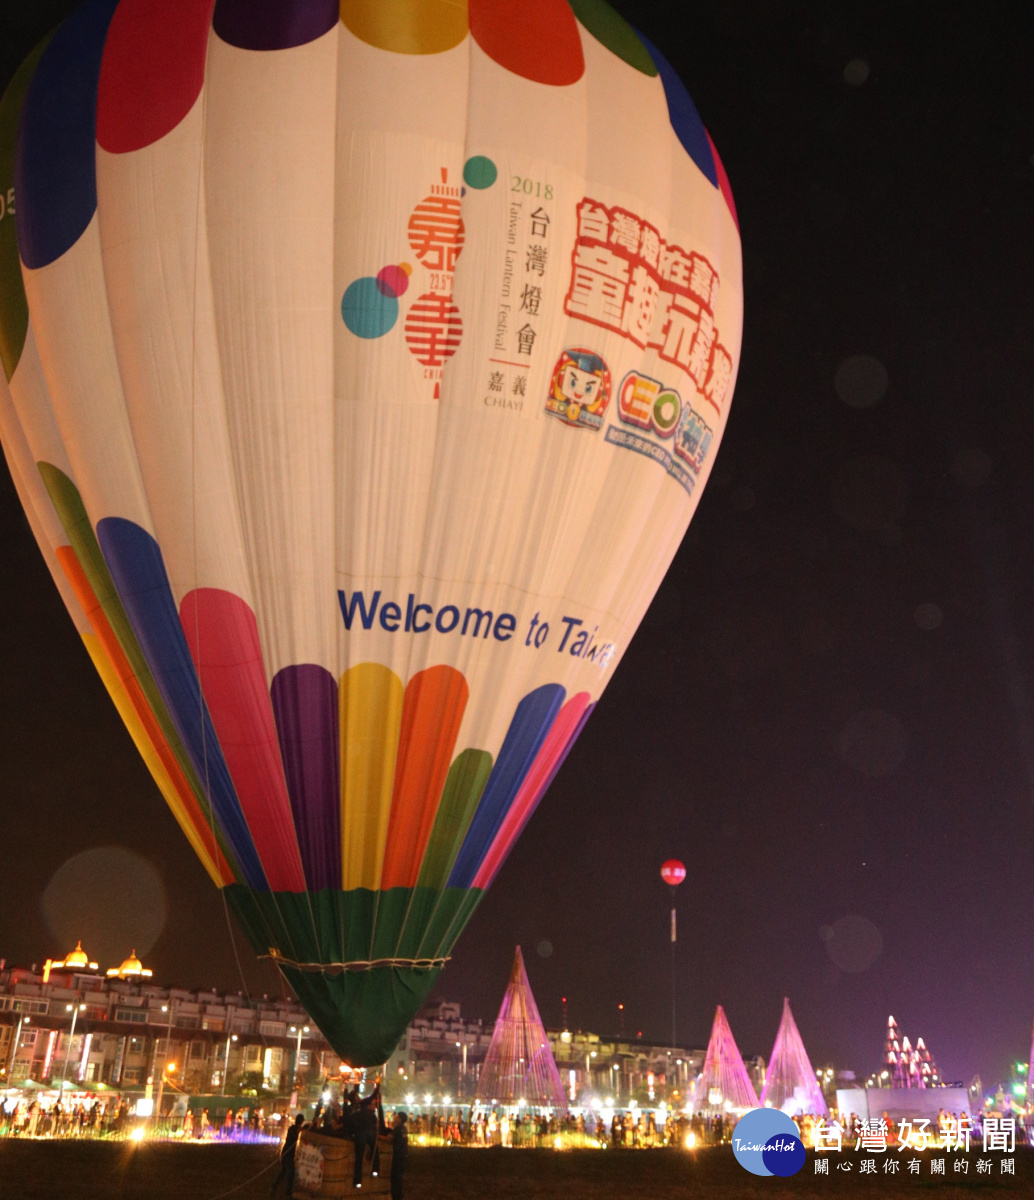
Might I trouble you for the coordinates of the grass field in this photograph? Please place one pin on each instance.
(106, 1171)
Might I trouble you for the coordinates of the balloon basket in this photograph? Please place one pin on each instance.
(324, 1165)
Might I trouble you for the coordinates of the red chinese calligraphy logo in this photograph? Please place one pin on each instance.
(436, 230)
(625, 277)
(433, 329)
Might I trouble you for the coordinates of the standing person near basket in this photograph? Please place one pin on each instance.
(287, 1154)
(399, 1153)
(365, 1137)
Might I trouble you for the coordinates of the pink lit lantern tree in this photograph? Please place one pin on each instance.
(907, 1066)
(791, 1084)
(892, 1054)
(1030, 1072)
(724, 1085)
(519, 1066)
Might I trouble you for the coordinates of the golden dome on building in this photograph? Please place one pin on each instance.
(132, 968)
(78, 960)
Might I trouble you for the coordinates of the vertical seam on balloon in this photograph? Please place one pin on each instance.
(193, 500)
(146, 497)
(469, 41)
(334, 435)
(193, 451)
(335, 533)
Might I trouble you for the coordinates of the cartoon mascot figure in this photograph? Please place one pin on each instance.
(580, 391)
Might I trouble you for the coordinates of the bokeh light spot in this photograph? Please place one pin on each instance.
(545, 949)
(928, 616)
(110, 897)
(861, 381)
(854, 943)
(856, 72)
(874, 742)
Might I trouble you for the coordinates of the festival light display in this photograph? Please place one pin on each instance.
(790, 1083)
(724, 1085)
(519, 1067)
(362, 377)
(907, 1066)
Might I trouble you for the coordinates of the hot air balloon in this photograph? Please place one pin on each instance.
(673, 873)
(365, 363)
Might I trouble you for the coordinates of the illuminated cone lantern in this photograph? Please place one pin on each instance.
(724, 1085)
(363, 367)
(519, 1067)
(791, 1084)
(1030, 1072)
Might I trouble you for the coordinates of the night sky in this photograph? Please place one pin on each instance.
(828, 711)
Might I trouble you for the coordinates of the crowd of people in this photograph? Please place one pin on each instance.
(116, 1118)
(362, 1120)
(34, 1118)
(636, 1128)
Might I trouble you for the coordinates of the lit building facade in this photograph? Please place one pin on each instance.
(72, 1021)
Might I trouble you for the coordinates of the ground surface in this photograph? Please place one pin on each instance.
(99, 1171)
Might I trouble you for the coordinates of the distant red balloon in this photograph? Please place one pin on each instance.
(673, 872)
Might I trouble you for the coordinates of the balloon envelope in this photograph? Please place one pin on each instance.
(363, 377)
(673, 872)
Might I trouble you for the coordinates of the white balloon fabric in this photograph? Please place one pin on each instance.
(365, 364)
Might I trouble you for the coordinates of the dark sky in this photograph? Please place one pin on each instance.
(786, 721)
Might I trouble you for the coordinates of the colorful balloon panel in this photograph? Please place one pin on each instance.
(365, 363)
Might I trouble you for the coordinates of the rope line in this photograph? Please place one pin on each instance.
(359, 964)
(247, 1181)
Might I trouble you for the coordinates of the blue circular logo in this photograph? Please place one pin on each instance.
(783, 1154)
(762, 1141)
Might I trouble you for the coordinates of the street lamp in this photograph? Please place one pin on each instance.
(226, 1059)
(166, 1008)
(75, 1010)
(300, 1029)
